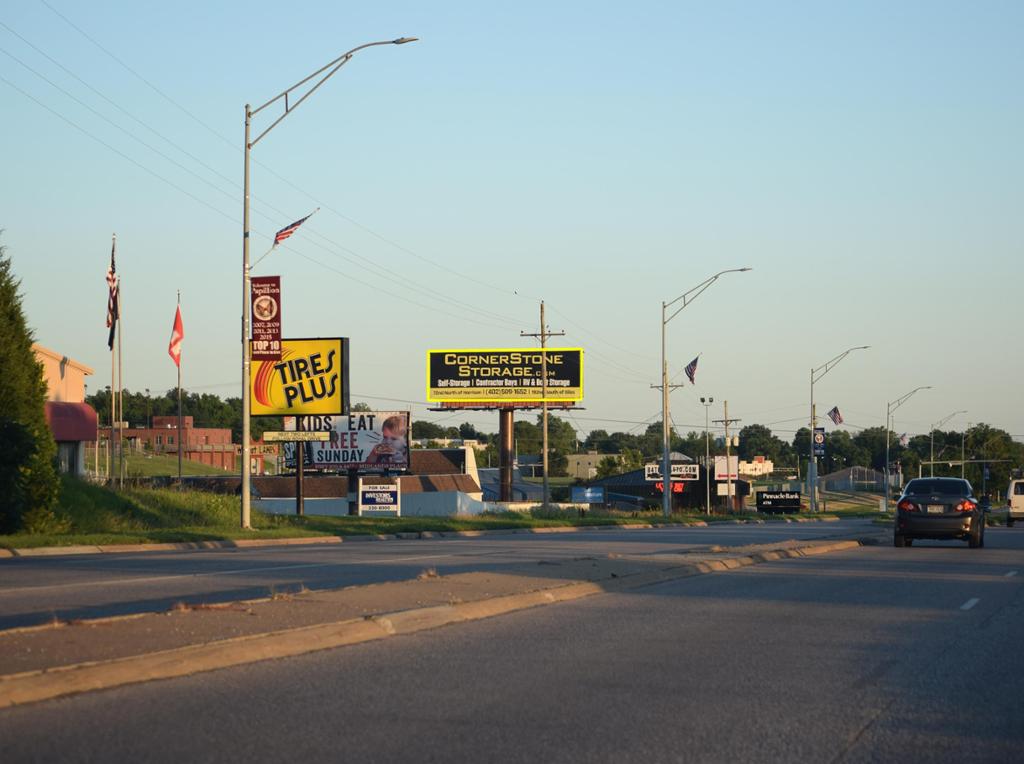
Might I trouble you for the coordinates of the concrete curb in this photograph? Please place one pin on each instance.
(35, 686)
(186, 546)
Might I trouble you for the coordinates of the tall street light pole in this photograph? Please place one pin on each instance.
(687, 298)
(937, 425)
(890, 407)
(327, 71)
(707, 453)
(812, 462)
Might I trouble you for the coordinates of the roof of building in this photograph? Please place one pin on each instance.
(437, 461)
(71, 421)
(856, 473)
(490, 484)
(40, 350)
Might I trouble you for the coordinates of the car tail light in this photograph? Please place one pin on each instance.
(966, 506)
(907, 506)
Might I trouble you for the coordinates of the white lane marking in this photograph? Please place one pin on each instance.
(237, 571)
(970, 603)
(1011, 574)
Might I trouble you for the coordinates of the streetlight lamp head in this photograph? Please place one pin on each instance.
(404, 40)
(742, 270)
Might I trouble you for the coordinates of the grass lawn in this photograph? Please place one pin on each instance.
(139, 464)
(93, 515)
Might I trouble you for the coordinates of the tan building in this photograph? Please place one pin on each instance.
(72, 421)
(584, 466)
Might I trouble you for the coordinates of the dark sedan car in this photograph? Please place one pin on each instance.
(939, 508)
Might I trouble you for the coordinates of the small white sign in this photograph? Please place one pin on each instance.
(720, 469)
(380, 499)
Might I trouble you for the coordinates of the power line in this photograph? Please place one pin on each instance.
(284, 180)
(367, 263)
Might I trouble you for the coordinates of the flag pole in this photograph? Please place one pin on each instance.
(120, 396)
(180, 444)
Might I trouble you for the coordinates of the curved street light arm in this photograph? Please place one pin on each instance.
(941, 422)
(893, 405)
(691, 295)
(826, 367)
(333, 66)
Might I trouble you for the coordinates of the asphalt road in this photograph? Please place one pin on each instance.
(36, 590)
(875, 654)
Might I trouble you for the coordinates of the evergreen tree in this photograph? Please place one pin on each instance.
(28, 479)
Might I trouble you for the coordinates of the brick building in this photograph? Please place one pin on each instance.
(207, 445)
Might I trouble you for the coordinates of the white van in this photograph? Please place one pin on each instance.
(1015, 502)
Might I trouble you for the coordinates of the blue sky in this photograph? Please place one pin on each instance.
(863, 158)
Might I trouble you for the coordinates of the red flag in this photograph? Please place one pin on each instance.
(177, 335)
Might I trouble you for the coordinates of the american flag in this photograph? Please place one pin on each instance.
(288, 230)
(835, 416)
(691, 370)
(177, 335)
(112, 286)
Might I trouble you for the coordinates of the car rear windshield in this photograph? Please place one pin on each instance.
(954, 487)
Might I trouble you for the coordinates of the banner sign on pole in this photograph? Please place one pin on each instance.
(819, 441)
(310, 378)
(494, 375)
(679, 472)
(362, 440)
(266, 318)
(380, 498)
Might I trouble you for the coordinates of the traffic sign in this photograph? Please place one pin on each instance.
(291, 436)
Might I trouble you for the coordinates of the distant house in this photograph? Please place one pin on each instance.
(72, 421)
(759, 466)
(490, 484)
(584, 466)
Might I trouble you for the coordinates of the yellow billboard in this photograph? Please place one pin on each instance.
(311, 378)
(504, 375)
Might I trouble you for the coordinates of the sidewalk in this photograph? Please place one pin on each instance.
(63, 658)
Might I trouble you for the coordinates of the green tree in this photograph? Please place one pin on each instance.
(758, 440)
(872, 441)
(426, 430)
(28, 479)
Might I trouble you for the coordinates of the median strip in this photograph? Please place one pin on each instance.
(470, 597)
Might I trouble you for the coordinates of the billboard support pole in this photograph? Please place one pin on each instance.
(505, 453)
(300, 469)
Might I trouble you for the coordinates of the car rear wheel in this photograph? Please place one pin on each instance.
(977, 539)
(899, 540)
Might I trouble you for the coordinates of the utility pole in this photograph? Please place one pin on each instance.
(666, 437)
(707, 453)
(543, 335)
(728, 458)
